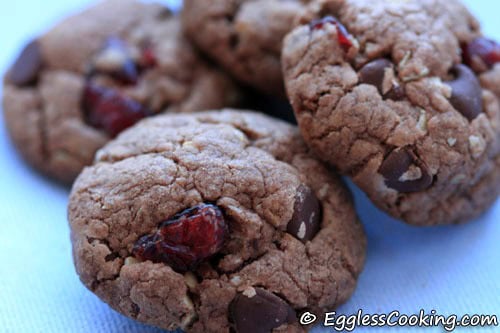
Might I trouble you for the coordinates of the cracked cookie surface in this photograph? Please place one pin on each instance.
(293, 240)
(382, 91)
(97, 72)
(243, 36)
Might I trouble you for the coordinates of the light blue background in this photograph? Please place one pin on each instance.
(452, 269)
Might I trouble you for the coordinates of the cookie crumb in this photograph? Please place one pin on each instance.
(477, 146)
(458, 179)
(130, 261)
(191, 147)
(189, 317)
(422, 121)
(404, 61)
(423, 73)
(249, 292)
(451, 141)
(323, 191)
(191, 280)
(235, 280)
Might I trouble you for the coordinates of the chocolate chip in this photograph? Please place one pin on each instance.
(397, 93)
(306, 219)
(405, 172)
(374, 73)
(25, 69)
(115, 60)
(259, 311)
(466, 95)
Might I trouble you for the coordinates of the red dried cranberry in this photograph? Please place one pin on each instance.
(344, 38)
(185, 240)
(482, 49)
(148, 57)
(109, 110)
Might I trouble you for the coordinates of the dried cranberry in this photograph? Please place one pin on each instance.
(185, 240)
(482, 49)
(109, 110)
(343, 37)
(148, 57)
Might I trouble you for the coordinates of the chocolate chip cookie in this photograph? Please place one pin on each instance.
(214, 222)
(243, 36)
(98, 72)
(402, 96)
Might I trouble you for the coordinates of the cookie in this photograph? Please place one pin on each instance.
(98, 72)
(243, 36)
(399, 96)
(214, 221)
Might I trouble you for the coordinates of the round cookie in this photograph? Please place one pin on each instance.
(98, 72)
(214, 221)
(243, 36)
(383, 91)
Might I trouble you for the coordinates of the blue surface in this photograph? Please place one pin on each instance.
(450, 269)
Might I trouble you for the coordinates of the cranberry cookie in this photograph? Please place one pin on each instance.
(98, 72)
(214, 221)
(402, 96)
(243, 36)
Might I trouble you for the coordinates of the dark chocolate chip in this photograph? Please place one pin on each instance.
(259, 313)
(403, 161)
(25, 69)
(373, 72)
(466, 96)
(397, 93)
(306, 219)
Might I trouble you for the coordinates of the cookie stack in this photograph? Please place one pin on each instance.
(191, 211)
